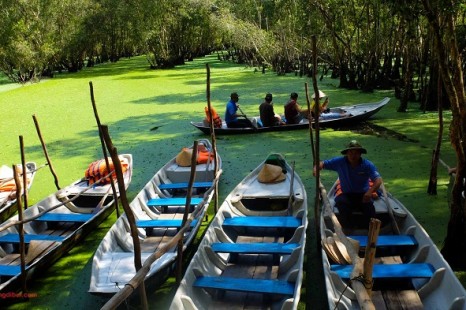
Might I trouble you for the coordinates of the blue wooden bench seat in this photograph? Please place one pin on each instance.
(388, 240)
(162, 223)
(182, 185)
(14, 238)
(10, 270)
(246, 285)
(165, 202)
(390, 271)
(254, 248)
(263, 221)
(65, 217)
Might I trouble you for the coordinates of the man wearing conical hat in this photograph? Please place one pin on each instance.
(355, 174)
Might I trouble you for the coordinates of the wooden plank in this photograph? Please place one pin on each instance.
(393, 271)
(10, 270)
(254, 248)
(162, 223)
(167, 202)
(388, 240)
(14, 238)
(65, 217)
(263, 221)
(182, 185)
(406, 299)
(246, 285)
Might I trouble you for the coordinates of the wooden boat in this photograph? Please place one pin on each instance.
(58, 225)
(251, 256)
(343, 116)
(8, 193)
(158, 209)
(409, 271)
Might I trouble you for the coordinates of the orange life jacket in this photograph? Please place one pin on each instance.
(339, 191)
(98, 169)
(203, 155)
(217, 119)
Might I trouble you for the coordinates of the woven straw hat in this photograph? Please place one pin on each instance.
(183, 158)
(321, 95)
(271, 174)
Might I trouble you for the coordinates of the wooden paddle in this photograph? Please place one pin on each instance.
(244, 115)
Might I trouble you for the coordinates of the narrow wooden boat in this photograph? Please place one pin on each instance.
(8, 189)
(343, 116)
(57, 225)
(251, 256)
(159, 209)
(409, 271)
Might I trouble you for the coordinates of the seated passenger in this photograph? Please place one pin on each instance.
(293, 112)
(267, 114)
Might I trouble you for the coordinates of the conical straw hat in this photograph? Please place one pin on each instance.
(271, 174)
(321, 95)
(183, 158)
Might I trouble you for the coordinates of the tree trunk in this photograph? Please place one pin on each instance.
(454, 249)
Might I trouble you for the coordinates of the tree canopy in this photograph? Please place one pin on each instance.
(415, 47)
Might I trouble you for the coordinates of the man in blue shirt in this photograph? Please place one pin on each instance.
(354, 173)
(231, 115)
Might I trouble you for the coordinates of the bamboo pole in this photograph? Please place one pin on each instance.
(44, 148)
(192, 176)
(362, 296)
(317, 133)
(25, 175)
(311, 136)
(104, 151)
(369, 255)
(36, 216)
(129, 213)
(22, 246)
(212, 137)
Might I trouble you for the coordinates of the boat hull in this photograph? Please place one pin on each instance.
(359, 113)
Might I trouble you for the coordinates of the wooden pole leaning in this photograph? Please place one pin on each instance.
(24, 173)
(104, 150)
(212, 137)
(317, 133)
(192, 177)
(369, 255)
(359, 288)
(129, 213)
(22, 245)
(311, 134)
(44, 148)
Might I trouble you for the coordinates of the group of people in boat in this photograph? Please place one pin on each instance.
(293, 113)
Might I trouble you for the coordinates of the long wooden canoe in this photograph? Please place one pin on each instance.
(409, 272)
(350, 115)
(159, 209)
(252, 254)
(58, 224)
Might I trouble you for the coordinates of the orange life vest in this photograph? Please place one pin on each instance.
(339, 191)
(217, 119)
(203, 155)
(98, 169)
